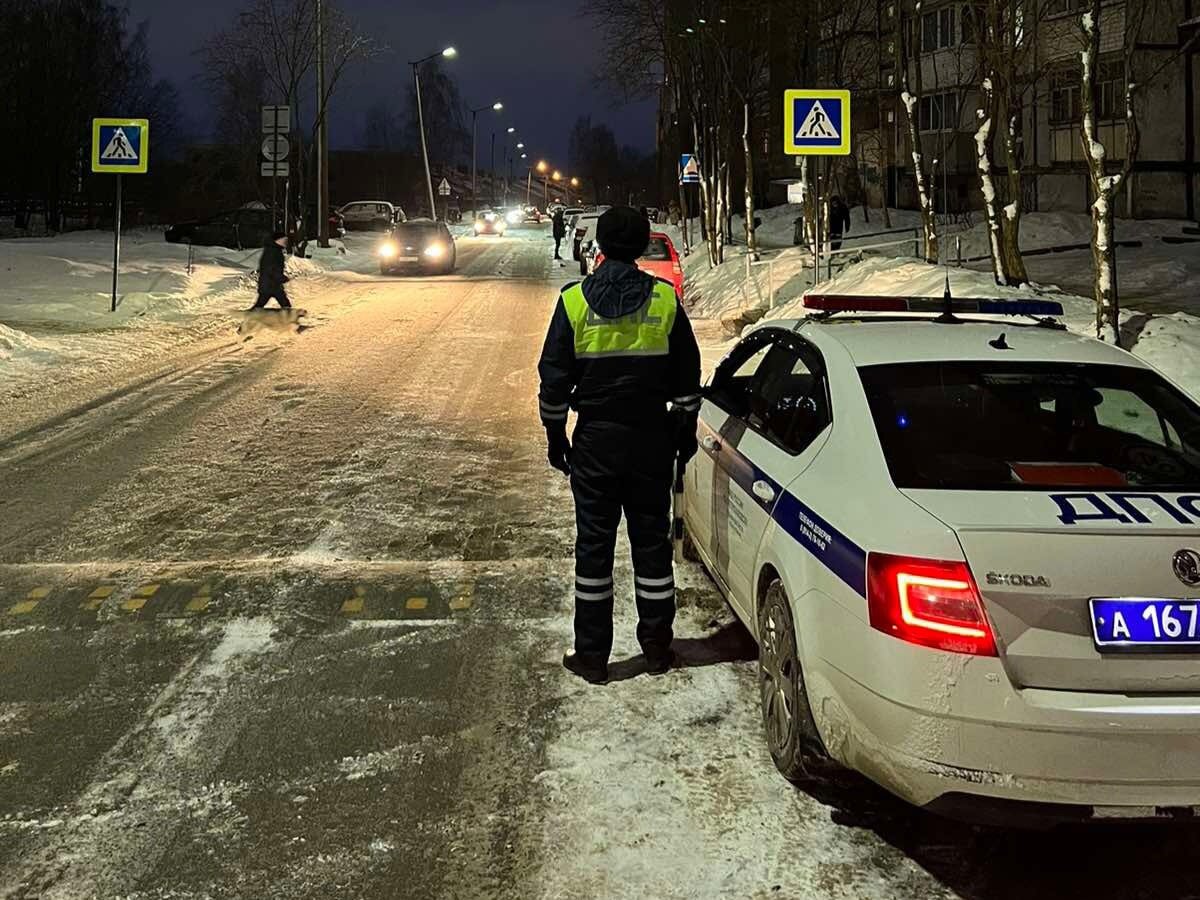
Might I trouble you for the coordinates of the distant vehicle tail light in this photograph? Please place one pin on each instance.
(930, 602)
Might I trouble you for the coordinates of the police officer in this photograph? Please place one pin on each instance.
(621, 352)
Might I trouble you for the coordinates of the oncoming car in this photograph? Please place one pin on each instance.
(969, 550)
(418, 244)
(489, 221)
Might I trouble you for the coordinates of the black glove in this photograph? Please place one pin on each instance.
(559, 452)
(685, 439)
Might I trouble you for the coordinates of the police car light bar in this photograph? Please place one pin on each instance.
(852, 303)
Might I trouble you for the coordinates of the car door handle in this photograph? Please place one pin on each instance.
(710, 443)
(764, 491)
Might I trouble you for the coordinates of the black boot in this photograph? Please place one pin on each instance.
(591, 671)
(660, 662)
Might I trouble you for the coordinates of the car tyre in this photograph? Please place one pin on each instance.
(791, 732)
(384, 270)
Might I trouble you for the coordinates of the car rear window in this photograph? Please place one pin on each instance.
(657, 251)
(1014, 426)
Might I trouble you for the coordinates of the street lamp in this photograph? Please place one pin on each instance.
(497, 106)
(448, 53)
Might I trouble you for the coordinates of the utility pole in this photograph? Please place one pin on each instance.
(475, 111)
(448, 53)
(322, 134)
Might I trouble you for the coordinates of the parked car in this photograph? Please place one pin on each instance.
(661, 260)
(490, 221)
(583, 229)
(965, 556)
(371, 215)
(237, 229)
(418, 245)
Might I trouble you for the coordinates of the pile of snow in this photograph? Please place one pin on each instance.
(15, 344)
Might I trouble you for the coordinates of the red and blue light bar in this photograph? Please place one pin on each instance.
(876, 304)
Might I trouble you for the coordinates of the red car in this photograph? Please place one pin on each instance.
(661, 260)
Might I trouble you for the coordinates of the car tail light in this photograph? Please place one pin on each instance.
(676, 268)
(930, 602)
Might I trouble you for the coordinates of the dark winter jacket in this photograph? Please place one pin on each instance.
(839, 218)
(270, 268)
(629, 389)
(560, 225)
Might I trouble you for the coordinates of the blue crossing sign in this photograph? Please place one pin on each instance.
(121, 146)
(816, 123)
(689, 169)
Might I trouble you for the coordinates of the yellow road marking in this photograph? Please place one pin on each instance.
(31, 601)
(460, 603)
(199, 603)
(355, 605)
(416, 604)
(97, 597)
(140, 597)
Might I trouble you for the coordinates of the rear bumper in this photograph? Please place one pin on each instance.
(936, 727)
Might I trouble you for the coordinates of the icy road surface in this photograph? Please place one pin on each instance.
(282, 618)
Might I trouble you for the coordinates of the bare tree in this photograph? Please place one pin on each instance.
(1107, 179)
(283, 35)
(912, 82)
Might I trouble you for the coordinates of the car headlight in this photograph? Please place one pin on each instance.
(500, 226)
(388, 250)
(514, 217)
(435, 251)
(479, 226)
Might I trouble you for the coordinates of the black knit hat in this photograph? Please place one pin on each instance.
(623, 233)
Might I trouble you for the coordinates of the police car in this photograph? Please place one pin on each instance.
(968, 544)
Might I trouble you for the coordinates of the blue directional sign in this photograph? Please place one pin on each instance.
(689, 169)
(121, 146)
(816, 123)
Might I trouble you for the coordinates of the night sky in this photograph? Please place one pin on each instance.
(537, 56)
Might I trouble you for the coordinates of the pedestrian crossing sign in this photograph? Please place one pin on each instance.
(121, 146)
(816, 123)
(689, 169)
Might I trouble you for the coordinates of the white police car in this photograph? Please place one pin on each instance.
(969, 548)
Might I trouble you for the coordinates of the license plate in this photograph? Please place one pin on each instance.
(410, 259)
(1145, 624)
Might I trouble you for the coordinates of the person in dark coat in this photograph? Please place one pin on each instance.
(271, 277)
(560, 232)
(621, 352)
(839, 221)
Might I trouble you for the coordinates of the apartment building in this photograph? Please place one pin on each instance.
(1143, 41)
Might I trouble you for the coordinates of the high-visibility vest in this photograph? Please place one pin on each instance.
(643, 332)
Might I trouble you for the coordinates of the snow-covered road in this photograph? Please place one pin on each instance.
(282, 618)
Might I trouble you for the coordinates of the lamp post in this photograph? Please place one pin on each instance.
(541, 168)
(557, 176)
(504, 161)
(448, 53)
(497, 106)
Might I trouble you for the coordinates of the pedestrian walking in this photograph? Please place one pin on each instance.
(560, 231)
(839, 221)
(271, 277)
(621, 352)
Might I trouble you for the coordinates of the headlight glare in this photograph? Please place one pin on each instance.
(435, 251)
(388, 250)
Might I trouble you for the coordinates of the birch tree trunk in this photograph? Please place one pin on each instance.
(1104, 185)
(751, 237)
(984, 141)
(1012, 261)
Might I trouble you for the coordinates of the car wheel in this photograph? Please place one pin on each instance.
(791, 732)
(384, 270)
(582, 267)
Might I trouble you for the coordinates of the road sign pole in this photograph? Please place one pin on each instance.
(116, 244)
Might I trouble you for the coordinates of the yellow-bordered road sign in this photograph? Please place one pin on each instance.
(816, 122)
(121, 146)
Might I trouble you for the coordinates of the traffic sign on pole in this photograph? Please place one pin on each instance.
(276, 119)
(444, 188)
(275, 148)
(689, 169)
(816, 123)
(121, 146)
(275, 170)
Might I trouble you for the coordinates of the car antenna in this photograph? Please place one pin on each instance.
(947, 317)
